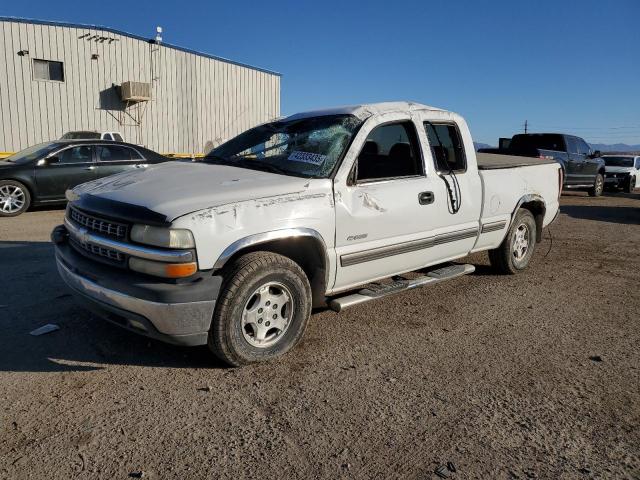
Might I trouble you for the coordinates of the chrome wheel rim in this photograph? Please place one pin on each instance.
(12, 199)
(599, 184)
(267, 315)
(521, 242)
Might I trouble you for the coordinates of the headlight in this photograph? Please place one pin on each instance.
(70, 195)
(162, 237)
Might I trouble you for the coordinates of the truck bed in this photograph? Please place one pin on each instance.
(493, 161)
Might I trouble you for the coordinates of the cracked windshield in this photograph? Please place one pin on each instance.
(307, 147)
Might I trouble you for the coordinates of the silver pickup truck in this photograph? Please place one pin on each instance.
(324, 208)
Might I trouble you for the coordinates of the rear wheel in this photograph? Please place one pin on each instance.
(262, 311)
(630, 185)
(14, 198)
(515, 252)
(598, 186)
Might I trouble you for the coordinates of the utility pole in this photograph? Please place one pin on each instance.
(526, 126)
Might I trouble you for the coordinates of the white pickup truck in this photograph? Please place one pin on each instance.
(326, 208)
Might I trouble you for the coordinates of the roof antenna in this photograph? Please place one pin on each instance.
(158, 35)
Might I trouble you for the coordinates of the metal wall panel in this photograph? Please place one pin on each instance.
(197, 101)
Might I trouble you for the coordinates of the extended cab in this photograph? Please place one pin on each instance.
(582, 167)
(334, 207)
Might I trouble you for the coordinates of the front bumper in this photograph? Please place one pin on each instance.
(617, 179)
(178, 313)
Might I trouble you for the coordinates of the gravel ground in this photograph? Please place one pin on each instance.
(527, 376)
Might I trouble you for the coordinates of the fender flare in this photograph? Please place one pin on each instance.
(535, 199)
(266, 237)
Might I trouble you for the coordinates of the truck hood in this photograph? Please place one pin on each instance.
(619, 169)
(174, 189)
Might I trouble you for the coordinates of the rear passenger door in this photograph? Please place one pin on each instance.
(114, 159)
(589, 165)
(575, 162)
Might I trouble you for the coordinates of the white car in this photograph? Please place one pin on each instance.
(622, 171)
(92, 135)
(326, 208)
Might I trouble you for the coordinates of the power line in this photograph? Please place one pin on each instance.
(622, 127)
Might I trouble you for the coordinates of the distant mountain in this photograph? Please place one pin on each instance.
(478, 145)
(615, 147)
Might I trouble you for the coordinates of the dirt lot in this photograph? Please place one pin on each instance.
(528, 376)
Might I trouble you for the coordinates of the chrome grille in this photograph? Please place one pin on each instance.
(98, 225)
(107, 254)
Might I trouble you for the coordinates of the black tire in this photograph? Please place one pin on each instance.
(235, 342)
(19, 193)
(629, 186)
(504, 258)
(598, 186)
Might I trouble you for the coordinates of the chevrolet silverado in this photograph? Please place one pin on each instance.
(333, 207)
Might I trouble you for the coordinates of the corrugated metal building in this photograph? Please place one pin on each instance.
(57, 77)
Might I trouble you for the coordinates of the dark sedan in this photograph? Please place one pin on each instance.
(41, 174)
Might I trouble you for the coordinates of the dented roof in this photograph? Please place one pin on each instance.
(365, 110)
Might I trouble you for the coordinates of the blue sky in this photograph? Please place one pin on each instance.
(571, 66)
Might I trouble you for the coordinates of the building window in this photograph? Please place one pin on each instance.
(48, 70)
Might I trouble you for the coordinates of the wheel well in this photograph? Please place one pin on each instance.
(26, 185)
(306, 252)
(537, 209)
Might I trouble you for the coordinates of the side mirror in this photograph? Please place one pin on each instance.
(596, 154)
(43, 162)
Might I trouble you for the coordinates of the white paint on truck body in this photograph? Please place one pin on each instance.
(224, 204)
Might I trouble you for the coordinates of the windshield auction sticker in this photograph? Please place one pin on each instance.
(306, 157)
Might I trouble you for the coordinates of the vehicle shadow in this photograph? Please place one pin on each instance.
(34, 295)
(48, 208)
(623, 215)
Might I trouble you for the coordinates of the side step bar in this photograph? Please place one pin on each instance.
(375, 291)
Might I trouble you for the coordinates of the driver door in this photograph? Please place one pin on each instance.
(392, 214)
(63, 170)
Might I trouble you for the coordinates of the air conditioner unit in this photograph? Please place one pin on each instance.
(135, 91)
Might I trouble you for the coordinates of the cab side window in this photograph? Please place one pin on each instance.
(638, 163)
(446, 146)
(572, 145)
(81, 154)
(390, 151)
(583, 148)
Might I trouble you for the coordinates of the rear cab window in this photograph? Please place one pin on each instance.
(446, 145)
(541, 141)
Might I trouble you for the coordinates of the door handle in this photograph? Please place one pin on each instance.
(90, 168)
(425, 198)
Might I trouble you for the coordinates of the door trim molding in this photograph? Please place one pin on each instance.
(379, 253)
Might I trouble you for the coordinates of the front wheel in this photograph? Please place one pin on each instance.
(598, 186)
(515, 252)
(628, 188)
(14, 198)
(262, 311)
